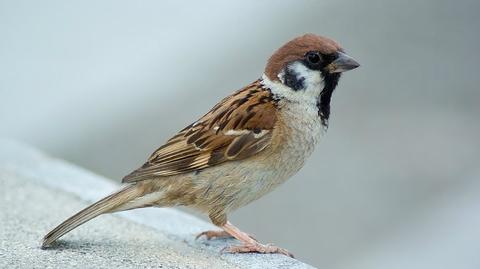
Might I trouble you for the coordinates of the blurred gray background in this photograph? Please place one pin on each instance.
(396, 181)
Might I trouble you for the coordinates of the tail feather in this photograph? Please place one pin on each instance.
(108, 204)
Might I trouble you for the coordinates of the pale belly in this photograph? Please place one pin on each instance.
(235, 184)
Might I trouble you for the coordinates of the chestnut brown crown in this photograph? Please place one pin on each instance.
(296, 49)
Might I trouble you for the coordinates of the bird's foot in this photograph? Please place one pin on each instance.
(218, 234)
(214, 234)
(258, 248)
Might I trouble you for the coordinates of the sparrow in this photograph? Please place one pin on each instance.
(244, 147)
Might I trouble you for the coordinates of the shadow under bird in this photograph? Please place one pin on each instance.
(244, 147)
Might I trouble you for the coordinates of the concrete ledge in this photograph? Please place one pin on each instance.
(38, 192)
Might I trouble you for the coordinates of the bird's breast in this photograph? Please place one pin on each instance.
(234, 184)
(300, 129)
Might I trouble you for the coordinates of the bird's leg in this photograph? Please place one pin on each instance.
(219, 219)
(249, 244)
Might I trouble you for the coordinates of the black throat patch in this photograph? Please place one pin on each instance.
(323, 103)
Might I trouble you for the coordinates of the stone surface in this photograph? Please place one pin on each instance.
(38, 192)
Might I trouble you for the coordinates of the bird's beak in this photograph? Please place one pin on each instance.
(342, 63)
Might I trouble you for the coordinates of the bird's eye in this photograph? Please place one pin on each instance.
(313, 57)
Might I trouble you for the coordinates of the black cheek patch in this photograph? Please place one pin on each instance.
(293, 80)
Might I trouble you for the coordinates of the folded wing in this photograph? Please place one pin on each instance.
(239, 127)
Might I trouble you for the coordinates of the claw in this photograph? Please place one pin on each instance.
(258, 248)
(218, 234)
(213, 234)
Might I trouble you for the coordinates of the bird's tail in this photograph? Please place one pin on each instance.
(111, 203)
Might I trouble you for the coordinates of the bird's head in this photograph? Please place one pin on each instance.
(308, 68)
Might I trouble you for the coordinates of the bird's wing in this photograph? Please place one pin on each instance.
(238, 127)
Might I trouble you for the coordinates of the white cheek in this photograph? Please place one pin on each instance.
(313, 82)
(313, 85)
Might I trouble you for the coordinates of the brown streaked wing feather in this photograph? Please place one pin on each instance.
(238, 127)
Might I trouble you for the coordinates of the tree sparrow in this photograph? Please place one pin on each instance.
(244, 147)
